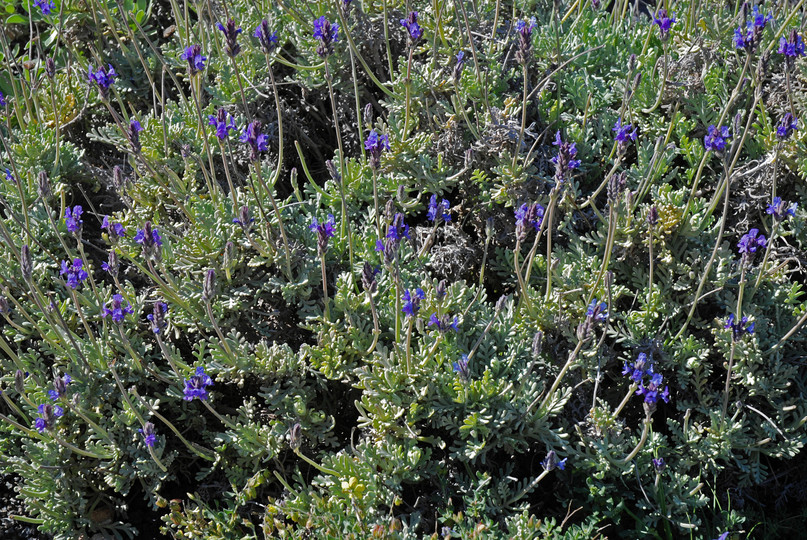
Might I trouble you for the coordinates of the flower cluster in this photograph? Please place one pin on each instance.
(149, 238)
(134, 135)
(149, 436)
(47, 6)
(551, 462)
(751, 242)
(327, 33)
(444, 323)
(524, 50)
(324, 230)
(641, 372)
(439, 210)
(49, 415)
(412, 27)
(196, 386)
(112, 265)
(3, 101)
(528, 216)
(564, 161)
(257, 141)
(72, 218)
(461, 367)
(117, 310)
(266, 38)
(113, 230)
(786, 127)
(375, 145)
(636, 371)
(664, 23)
(193, 55)
(231, 32)
(779, 209)
(398, 230)
(74, 273)
(596, 312)
(792, 47)
(749, 38)
(715, 139)
(623, 135)
(157, 317)
(412, 301)
(219, 120)
(59, 387)
(103, 78)
(739, 329)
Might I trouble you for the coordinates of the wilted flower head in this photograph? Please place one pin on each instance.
(715, 139)
(74, 273)
(26, 263)
(412, 301)
(786, 127)
(196, 386)
(327, 33)
(551, 462)
(564, 161)
(72, 218)
(50, 67)
(412, 27)
(368, 281)
(792, 47)
(244, 218)
(739, 329)
(439, 210)
(524, 30)
(617, 183)
(230, 37)
(196, 62)
(664, 23)
(157, 317)
(324, 230)
(779, 209)
(134, 135)
(219, 120)
(103, 78)
(117, 310)
(47, 6)
(257, 141)
(461, 367)
(150, 437)
(266, 38)
(376, 144)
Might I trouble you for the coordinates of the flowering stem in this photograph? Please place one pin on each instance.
(195, 91)
(386, 39)
(728, 382)
(314, 464)
(279, 219)
(524, 296)
(625, 400)
(549, 220)
(647, 423)
(609, 246)
(593, 196)
(517, 150)
(572, 358)
(408, 346)
(376, 330)
(765, 258)
(80, 312)
(529, 487)
(241, 88)
(325, 288)
(217, 415)
(76, 449)
(125, 394)
(408, 84)
(650, 278)
(663, 82)
(233, 194)
(215, 324)
(375, 203)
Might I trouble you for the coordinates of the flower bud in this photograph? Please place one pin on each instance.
(26, 264)
(209, 285)
(43, 185)
(19, 381)
(50, 68)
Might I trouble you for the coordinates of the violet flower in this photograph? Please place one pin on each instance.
(715, 139)
(196, 386)
(72, 218)
(47, 6)
(786, 127)
(739, 329)
(437, 211)
(375, 145)
(257, 141)
(327, 33)
(564, 161)
(324, 230)
(219, 120)
(157, 317)
(779, 209)
(266, 38)
(114, 230)
(74, 273)
(103, 78)
(117, 310)
(412, 27)
(664, 23)
(149, 436)
(196, 62)
(230, 31)
(412, 301)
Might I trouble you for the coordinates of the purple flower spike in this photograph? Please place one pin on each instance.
(551, 462)
(230, 38)
(786, 127)
(196, 386)
(623, 133)
(113, 230)
(74, 273)
(59, 387)
(193, 55)
(149, 436)
(117, 310)
(750, 37)
(750, 242)
(157, 317)
(327, 33)
(412, 27)
(664, 23)
(739, 329)
(715, 139)
(779, 209)
(437, 211)
(103, 78)
(219, 120)
(324, 230)
(47, 6)
(564, 161)
(72, 219)
(444, 323)
(376, 144)
(792, 47)
(461, 368)
(257, 141)
(150, 239)
(412, 301)
(528, 216)
(524, 30)
(266, 38)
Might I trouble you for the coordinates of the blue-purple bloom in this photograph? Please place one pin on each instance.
(3, 102)
(103, 78)
(49, 414)
(47, 6)
(750, 242)
(266, 38)
(196, 386)
(528, 216)
(724, 536)
(664, 23)
(439, 210)
(412, 27)
(461, 367)
(658, 464)
(117, 310)
(157, 317)
(524, 30)
(376, 144)
(564, 161)
(597, 311)
(786, 126)
(10, 177)
(715, 139)
(639, 368)
(244, 219)
(327, 33)
(324, 230)
(739, 329)
(444, 323)
(150, 438)
(74, 273)
(792, 47)
(257, 141)
(114, 230)
(72, 218)
(749, 38)
(148, 236)
(458, 67)
(59, 387)
(219, 120)
(412, 301)
(779, 209)
(196, 62)
(398, 230)
(551, 462)
(652, 390)
(623, 133)
(231, 32)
